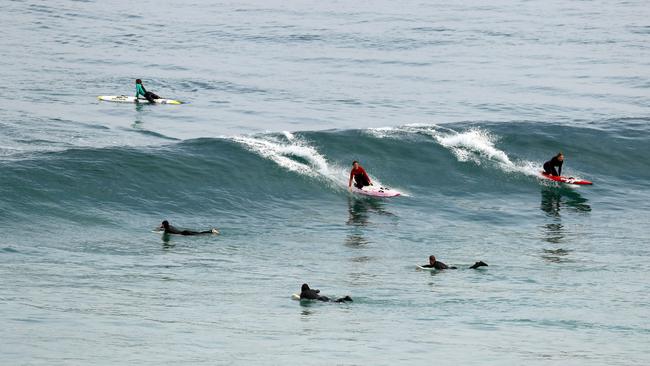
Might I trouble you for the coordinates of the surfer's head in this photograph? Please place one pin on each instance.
(138, 81)
(355, 164)
(165, 225)
(560, 156)
(432, 259)
(304, 287)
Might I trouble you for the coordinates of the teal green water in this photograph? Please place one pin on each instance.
(455, 104)
(84, 273)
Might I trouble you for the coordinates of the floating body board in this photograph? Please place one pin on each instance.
(127, 99)
(373, 191)
(567, 180)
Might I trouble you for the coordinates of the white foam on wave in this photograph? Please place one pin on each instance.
(475, 145)
(296, 155)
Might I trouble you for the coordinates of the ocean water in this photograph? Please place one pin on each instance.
(456, 104)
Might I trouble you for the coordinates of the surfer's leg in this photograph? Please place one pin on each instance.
(150, 97)
(547, 168)
(190, 232)
(344, 299)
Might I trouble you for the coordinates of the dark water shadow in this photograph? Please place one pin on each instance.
(356, 240)
(555, 200)
(167, 244)
(359, 210)
(557, 255)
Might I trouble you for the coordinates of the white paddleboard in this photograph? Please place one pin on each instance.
(374, 191)
(295, 297)
(127, 99)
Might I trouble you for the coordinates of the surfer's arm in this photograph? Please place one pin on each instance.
(350, 181)
(559, 168)
(139, 90)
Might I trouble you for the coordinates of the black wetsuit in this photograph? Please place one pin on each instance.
(173, 230)
(310, 294)
(313, 294)
(549, 167)
(478, 264)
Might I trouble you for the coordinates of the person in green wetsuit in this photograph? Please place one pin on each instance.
(140, 90)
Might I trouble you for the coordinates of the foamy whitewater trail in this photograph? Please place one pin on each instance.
(296, 155)
(475, 145)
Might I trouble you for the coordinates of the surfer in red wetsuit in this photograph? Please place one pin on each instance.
(557, 161)
(361, 178)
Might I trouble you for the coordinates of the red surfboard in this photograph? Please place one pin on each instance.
(567, 180)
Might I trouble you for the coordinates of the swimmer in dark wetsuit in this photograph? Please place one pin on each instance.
(307, 293)
(557, 161)
(433, 263)
(140, 90)
(172, 230)
(361, 178)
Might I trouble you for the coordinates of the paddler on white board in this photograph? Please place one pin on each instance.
(140, 90)
(361, 178)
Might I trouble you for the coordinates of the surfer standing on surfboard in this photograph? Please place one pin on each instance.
(361, 178)
(140, 90)
(557, 161)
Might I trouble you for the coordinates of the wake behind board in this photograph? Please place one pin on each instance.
(567, 180)
(127, 99)
(373, 191)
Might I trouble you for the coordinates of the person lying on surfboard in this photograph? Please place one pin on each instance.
(140, 90)
(361, 178)
(433, 263)
(172, 230)
(557, 161)
(307, 293)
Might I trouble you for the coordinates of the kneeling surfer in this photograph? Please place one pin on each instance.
(307, 293)
(361, 178)
(172, 230)
(555, 162)
(140, 90)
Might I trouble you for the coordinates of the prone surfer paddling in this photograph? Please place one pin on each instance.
(433, 263)
(361, 178)
(557, 161)
(168, 229)
(307, 293)
(140, 90)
